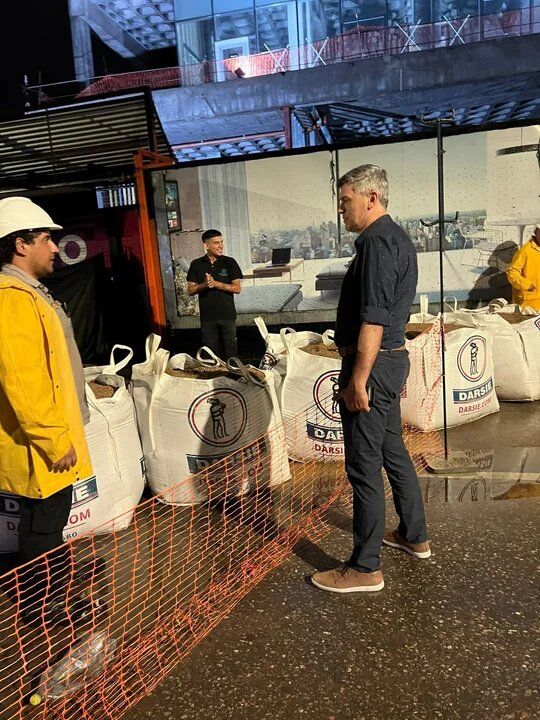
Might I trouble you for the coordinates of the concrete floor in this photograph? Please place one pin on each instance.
(451, 637)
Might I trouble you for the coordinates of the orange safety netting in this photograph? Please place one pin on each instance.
(155, 590)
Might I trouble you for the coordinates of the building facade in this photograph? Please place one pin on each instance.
(216, 30)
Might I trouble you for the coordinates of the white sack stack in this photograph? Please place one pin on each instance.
(193, 413)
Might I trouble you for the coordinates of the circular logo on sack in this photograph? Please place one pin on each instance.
(472, 358)
(218, 417)
(323, 393)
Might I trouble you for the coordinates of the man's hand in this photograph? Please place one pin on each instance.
(355, 398)
(210, 282)
(65, 463)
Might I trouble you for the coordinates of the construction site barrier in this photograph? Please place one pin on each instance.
(138, 600)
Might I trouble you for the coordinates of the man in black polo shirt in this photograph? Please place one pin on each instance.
(377, 293)
(215, 278)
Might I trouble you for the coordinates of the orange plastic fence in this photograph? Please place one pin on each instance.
(155, 590)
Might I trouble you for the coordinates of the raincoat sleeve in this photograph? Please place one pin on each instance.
(25, 375)
(515, 272)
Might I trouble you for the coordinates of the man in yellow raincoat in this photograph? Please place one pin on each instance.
(43, 448)
(524, 273)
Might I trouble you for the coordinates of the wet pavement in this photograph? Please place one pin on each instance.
(501, 451)
(452, 637)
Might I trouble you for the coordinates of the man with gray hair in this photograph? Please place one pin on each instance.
(376, 296)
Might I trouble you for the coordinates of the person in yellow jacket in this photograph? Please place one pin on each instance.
(524, 273)
(43, 448)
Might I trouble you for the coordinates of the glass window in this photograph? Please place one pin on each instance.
(195, 41)
(489, 7)
(408, 12)
(452, 9)
(277, 26)
(188, 9)
(363, 13)
(237, 25)
(317, 19)
(228, 5)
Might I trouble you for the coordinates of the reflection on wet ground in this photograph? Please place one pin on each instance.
(466, 489)
(503, 464)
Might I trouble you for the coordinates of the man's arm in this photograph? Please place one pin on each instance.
(369, 343)
(26, 381)
(194, 288)
(233, 287)
(515, 273)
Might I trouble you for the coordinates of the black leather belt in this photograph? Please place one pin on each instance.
(350, 349)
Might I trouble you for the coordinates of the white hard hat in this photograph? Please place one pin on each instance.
(20, 213)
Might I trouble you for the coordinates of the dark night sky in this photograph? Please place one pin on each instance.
(34, 35)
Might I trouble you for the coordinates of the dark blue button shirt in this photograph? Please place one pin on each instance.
(379, 286)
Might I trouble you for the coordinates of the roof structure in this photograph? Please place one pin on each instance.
(237, 147)
(148, 23)
(472, 106)
(78, 141)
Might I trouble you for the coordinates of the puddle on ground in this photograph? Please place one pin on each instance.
(503, 473)
(467, 489)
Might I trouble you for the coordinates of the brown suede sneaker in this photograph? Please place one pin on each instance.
(344, 579)
(418, 550)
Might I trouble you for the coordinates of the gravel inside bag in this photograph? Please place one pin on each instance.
(515, 318)
(413, 330)
(102, 391)
(209, 373)
(322, 350)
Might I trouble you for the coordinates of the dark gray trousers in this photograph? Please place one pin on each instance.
(372, 441)
(220, 336)
(40, 530)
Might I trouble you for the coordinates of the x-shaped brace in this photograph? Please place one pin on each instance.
(457, 33)
(318, 53)
(278, 61)
(409, 36)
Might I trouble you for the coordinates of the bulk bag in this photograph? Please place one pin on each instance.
(310, 412)
(194, 413)
(470, 382)
(515, 334)
(107, 501)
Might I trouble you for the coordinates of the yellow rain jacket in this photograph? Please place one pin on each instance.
(523, 272)
(40, 416)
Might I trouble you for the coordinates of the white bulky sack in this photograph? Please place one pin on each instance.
(515, 335)
(310, 413)
(470, 384)
(104, 502)
(116, 454)
(188, 424)
(275, 355)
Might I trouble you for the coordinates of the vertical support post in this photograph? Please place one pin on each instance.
(152, 270)
(442, 235)
(338, 216)
(287, 125)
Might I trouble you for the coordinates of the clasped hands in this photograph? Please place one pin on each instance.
(210, 282)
